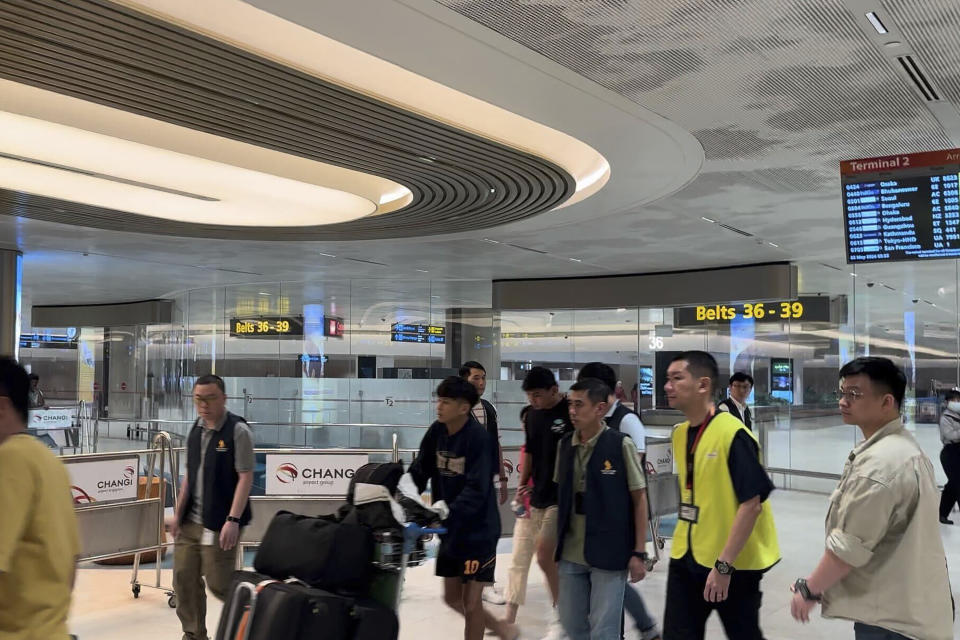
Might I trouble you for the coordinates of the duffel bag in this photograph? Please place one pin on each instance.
(320, 551)
(386, 474)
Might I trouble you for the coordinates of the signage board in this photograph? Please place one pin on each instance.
(104, 480)
(41, 419)
(803, 309)
(311, 474)
(660, 457)
(333, 327)
(266, 326)
(48, 340)
(512, 465)
(419, 333)
(904, 207)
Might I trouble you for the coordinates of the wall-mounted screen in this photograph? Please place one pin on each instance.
(902, 207)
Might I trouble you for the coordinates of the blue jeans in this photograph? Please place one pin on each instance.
(869, 632)
(633, 603)
(590, 602)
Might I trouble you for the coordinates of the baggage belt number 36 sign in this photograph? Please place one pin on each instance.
(316, 474)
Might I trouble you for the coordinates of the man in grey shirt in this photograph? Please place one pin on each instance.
(213, 506)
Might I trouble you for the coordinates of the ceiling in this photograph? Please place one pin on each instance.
(735, 112)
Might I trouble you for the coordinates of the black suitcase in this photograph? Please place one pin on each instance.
(268, 609)
(374, 621)
(320, 551)
(387, 474)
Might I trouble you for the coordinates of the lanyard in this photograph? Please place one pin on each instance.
(693, 449)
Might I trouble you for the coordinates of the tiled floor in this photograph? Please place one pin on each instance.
(105, 610)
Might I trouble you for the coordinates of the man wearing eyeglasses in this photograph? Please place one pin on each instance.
(884, 566)
(213, 505)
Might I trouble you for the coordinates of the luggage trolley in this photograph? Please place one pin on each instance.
(393, 553)
(663, 498)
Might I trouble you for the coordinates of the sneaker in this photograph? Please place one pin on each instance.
(493, 595)
(653, 633)
(555, 630)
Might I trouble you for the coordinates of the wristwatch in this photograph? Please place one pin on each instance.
(639, 554)
(724, 568)
(800, 586)
(232, 519)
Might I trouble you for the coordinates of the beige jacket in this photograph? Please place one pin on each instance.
(883, 521)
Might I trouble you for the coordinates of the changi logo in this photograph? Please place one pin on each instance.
(287, 472)
(608, 469)
(80, 496)
(129, 472)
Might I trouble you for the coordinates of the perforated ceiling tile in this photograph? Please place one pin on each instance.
(930, 27)
(777, 92)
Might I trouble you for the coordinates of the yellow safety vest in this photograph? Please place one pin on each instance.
(713, 493)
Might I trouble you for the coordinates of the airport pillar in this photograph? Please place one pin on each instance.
(11, 283)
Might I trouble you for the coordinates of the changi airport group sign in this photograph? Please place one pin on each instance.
(311, 474)
(108, 480)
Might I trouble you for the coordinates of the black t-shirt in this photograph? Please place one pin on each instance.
(749, 477)
(544, 428)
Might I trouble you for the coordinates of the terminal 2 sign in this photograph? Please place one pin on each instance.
(804, 309)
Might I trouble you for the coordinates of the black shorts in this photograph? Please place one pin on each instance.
(476, 569)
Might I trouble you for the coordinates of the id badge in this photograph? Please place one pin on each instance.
(689, 513)
(208, 538)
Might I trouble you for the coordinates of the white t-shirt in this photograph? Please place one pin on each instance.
(633, 427)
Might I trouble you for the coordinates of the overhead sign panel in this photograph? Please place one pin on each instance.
(266, 326)
(419, 333)
(904, 207)
(804, 309)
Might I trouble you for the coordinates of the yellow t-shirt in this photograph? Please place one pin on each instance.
(38, 542)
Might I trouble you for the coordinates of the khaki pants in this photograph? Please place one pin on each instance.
(528, 535)
(192, 562)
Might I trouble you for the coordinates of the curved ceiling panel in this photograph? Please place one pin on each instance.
(108, 54)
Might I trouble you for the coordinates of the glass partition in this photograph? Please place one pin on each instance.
(314, 363)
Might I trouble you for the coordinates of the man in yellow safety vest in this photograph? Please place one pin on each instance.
(725, 537)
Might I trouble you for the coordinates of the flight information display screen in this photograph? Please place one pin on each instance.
(902, 207)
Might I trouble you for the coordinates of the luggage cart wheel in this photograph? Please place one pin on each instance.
(172, 600)
(661, 542)
(650, 564)
(136, 590)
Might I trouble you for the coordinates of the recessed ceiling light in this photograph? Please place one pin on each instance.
(853, 274)
(875, 21)
(893, 44)
(426, 159)
(706, 219)
(491, 241)
(264, 293)
(575, 260)
(621, 309)
(329, 255)
(423, 271)
(773, 244)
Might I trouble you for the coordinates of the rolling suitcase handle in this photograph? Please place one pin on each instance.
(232, 631)
(246, 620)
